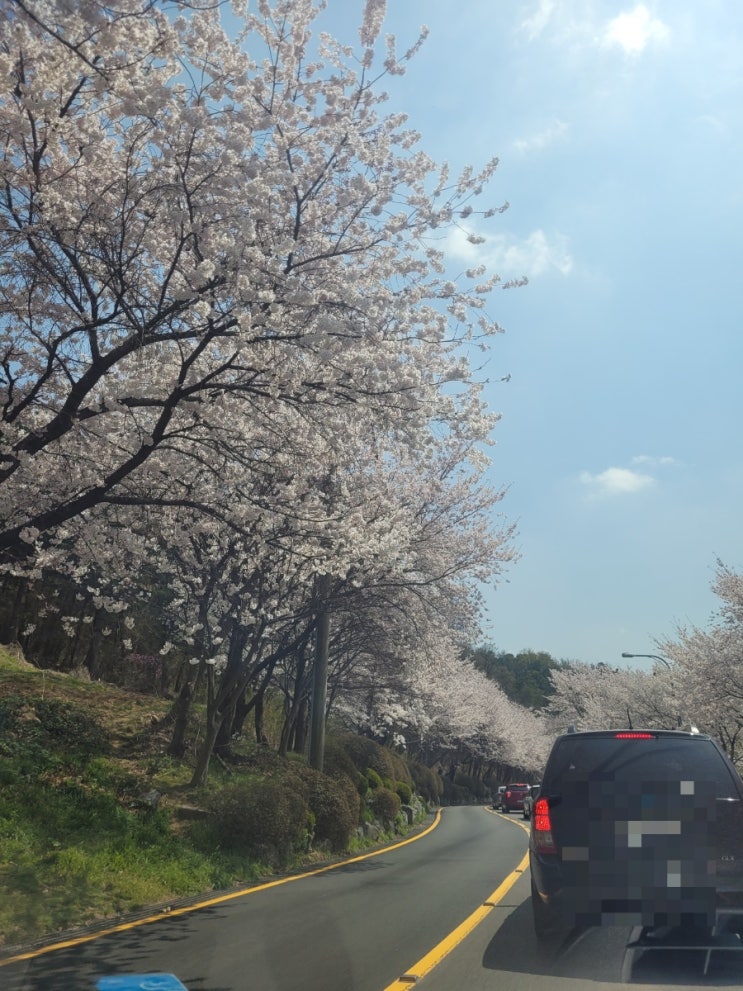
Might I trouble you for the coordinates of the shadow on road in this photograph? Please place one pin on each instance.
(362, 867)
(200, 948)
(138, 951)
(599, 954)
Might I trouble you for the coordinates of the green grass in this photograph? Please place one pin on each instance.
(72, 852)
(77, 843)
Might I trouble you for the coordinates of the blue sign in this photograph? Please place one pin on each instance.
(140, 982)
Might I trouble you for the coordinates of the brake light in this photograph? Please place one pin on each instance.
(508, 794)
(542, 827)
(634, 736)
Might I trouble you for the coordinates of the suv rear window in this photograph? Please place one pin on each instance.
(658, 759)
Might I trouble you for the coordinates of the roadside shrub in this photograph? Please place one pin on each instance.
(404, 792)
(360, 749)
(336, 816)
(337, 760)
(366, 753)
(473, 785)
(354, 799)
(385, 805)
(334, 802)
(399, 767)
(373, 778)
(428, 783)
(266, 818)
(455, 794)
(362, 785)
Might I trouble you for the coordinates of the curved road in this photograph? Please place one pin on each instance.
(368, 925)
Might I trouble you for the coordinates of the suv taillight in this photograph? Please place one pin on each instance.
(634, 736)
(542, 827)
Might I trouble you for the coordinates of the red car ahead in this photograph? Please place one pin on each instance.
(512, 799)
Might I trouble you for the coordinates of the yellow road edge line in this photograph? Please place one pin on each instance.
(208, 903)
(434, 957)
(507, 818)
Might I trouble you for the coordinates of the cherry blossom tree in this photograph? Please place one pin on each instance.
(190, 233)
(432, 700)
(231, 355)
(709, 665)
(395, 542)
(595, 696)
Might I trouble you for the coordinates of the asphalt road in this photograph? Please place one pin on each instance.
(366, 925)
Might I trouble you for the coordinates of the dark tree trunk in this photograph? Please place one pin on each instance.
(243, 707)
(11, 632)
(290, 714)
(292, 706)
(92, 658)
(224, 736)
(213, 722)
(301, 725)
(179, 713)
(188, 679)
(74, 644)
(260, 736)
(220, 704)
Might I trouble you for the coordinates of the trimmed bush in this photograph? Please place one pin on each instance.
(367, 753)
(455, 794)
(404, 792)
(335, 804)
(353, 798)
(475, 786)
(428, 783)
(336, 816)
(265, 818)
(385, 805)
(337, 760)
(373, 779)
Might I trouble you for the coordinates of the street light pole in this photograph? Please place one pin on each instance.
(655, 657)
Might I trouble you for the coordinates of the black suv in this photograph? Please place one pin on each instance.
(640, 828)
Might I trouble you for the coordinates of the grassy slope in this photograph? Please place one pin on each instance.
(76, 842)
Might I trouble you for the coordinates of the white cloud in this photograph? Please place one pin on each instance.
(616, 482)
(634, 30)
(579, 24)
(511, 258)
(654, 462)
(538, 142)
(534, 25)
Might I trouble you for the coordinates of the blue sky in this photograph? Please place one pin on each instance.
(618, 127)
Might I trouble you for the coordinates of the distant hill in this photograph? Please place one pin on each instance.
(524, 677)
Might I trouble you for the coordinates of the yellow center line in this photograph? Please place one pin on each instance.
(434, 957)
(218, 900)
